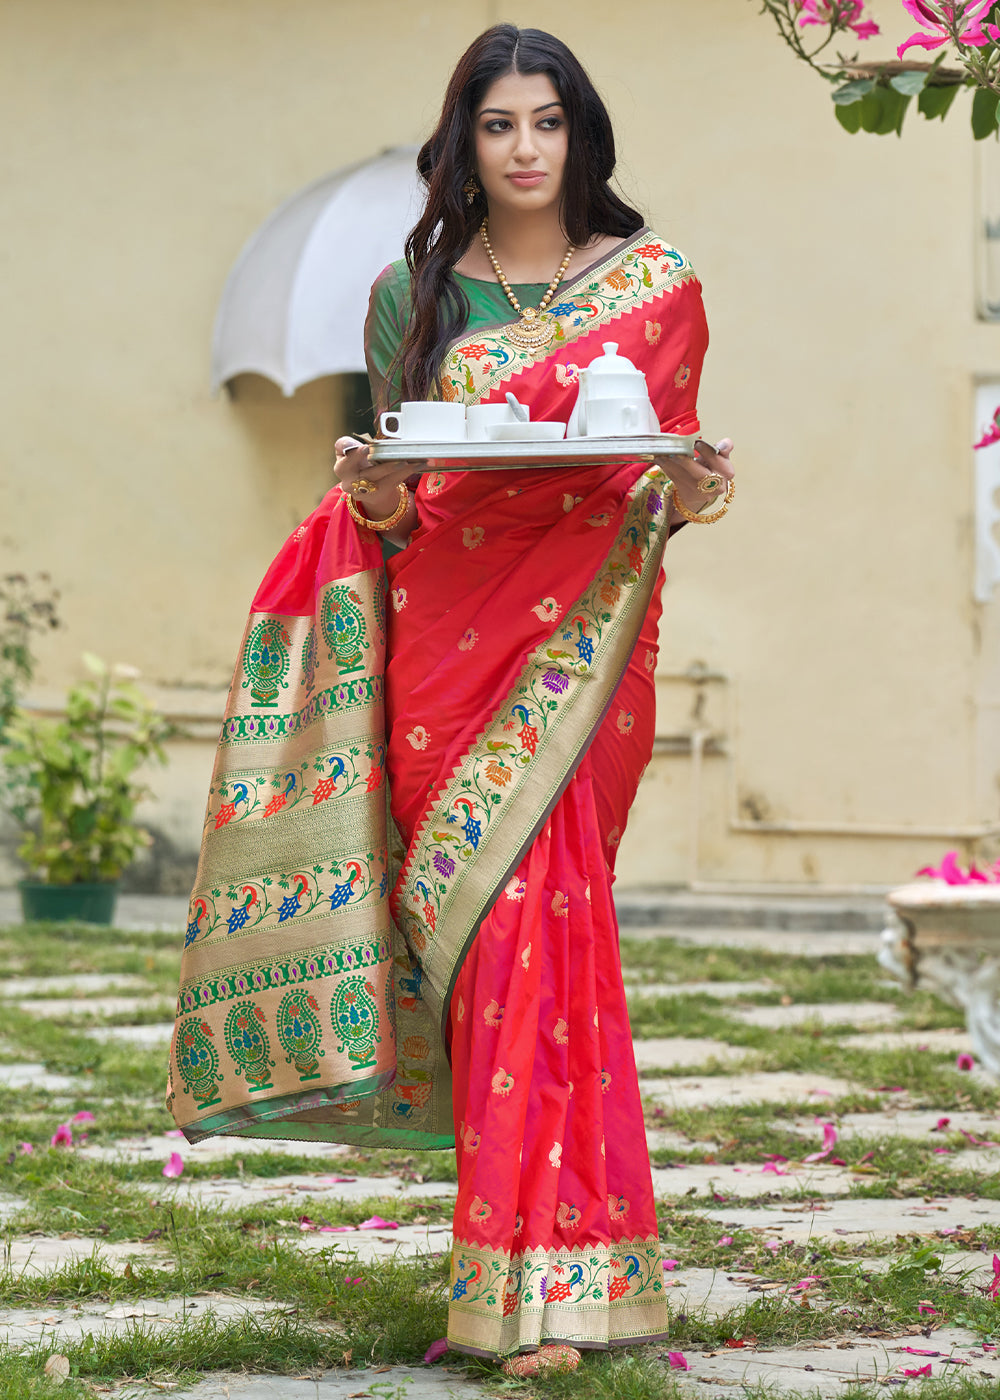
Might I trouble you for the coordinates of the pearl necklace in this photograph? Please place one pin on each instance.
(532, 331)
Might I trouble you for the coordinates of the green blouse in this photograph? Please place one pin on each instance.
(389, 311)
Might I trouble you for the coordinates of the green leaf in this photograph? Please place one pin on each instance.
(849, 117)
(909, 83)
(883, 110)
(984, 113)
(935, 101)
(853, 92)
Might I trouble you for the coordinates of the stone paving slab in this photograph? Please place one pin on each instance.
(945, 1042)
(794, 943)
(748, 1180)
(158, 1147)
(33, 1076)
(683, 1052)
(857, 1221)
(359, 1247)
(80, 982)
(247, 1192)
(830, 1013)
(905, 1122)
(781, 1086)
(146, 1037)
(415, 1382)
(44, 1254)
(824, 1369)
(725, 991)
(59, 1008)
(23, 1327)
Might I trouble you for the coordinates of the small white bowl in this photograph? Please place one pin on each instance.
(525, 432)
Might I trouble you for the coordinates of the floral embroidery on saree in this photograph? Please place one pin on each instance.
(650, 269)
(501, 1302)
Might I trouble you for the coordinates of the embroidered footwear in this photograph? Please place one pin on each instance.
(557, 1357)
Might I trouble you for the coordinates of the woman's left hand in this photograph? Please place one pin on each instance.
(686, 472)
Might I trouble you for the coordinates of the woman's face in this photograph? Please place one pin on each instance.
(521, 143)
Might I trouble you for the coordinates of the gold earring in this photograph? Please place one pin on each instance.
(471, 188)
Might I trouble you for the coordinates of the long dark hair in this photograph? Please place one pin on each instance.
(444, 231)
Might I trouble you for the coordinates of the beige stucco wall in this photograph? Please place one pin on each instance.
(857, 682)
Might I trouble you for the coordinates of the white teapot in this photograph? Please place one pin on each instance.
(613, 399)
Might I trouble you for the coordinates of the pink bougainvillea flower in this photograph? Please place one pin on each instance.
(774, 1168)
(992, 433)
(353, 1282)
(952, 873)
(994, 1287)
(305, 1223)
(837, 11)
(936, 18)
(678, 1361)
(26, 1147)
(84, 1116)
(375, 1222)
(925, 1309)
(435, 1351)
(940, 1125)
(670, 1264)
(63, 1136)
(917, 1371)
(829, 1141)
(965, 1062)
(174, 1165)
(773, 1245)
(724, 1240)
(804, 1283)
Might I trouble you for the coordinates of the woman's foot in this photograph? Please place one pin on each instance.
(556, 1357)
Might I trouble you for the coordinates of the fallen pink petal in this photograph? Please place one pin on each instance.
(829, 1142)
(994, 1287)
(724, 1240)
(174, 1165)
(63, 1136)
(435, 1351)
(173, 1133)
(375, 1222)
(774, 1169)
(773, 1245)
(920, 1351)
(919, 1371)
(84, 1116)
(926, 1310)
(965, 1062)
(305, 1223)
(940, 1125)
(26, 1147)
(670, 1264)
(678, 1361)
(335, 1180)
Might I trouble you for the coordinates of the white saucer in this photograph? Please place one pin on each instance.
(525, 432)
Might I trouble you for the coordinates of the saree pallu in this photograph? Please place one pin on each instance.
(363, 902)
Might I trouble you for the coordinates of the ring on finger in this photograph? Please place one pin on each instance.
(363, 487)
(711, 484)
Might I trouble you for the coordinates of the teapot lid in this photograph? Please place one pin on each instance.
(611, 362)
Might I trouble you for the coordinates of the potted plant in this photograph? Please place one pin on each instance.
(944, 934)
(70, 783)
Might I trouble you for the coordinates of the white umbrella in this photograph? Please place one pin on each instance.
(294, 305)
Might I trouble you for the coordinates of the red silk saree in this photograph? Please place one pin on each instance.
(402, 931)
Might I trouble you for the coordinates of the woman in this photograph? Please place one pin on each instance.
(333, 969)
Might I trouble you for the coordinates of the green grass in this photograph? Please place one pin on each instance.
(318, 1317)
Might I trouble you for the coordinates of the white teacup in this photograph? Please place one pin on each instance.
(425, 420)
(617, 417)
(480, 417)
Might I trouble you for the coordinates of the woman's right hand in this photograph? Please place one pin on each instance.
(353, 466)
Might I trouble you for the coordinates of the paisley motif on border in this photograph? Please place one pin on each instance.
(198, 1061)
(248, 1044)
(299, 1032)
(344, 628)
(355, 1018)
(266, 661)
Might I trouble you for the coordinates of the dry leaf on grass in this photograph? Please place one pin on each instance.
(57, 1368)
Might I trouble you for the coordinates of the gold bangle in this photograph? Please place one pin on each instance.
(696, 519)
(379, 525)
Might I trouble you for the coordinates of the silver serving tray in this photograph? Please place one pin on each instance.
(504, 456)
